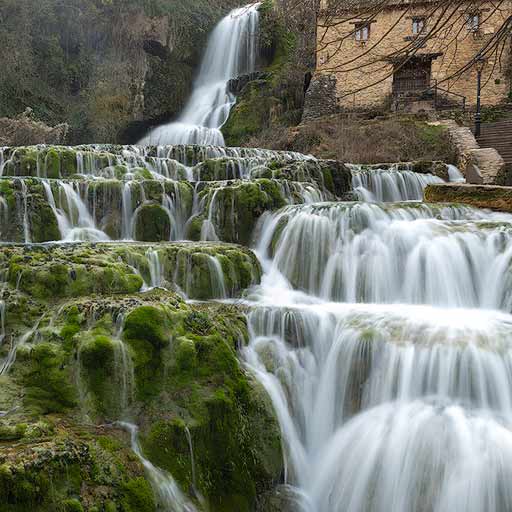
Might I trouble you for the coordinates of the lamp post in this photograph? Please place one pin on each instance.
(480, 64)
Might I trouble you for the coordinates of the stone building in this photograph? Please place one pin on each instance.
(403, 56)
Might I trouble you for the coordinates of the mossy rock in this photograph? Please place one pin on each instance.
(152, 223)
(67, 474)
(235, 436)
(238, 206)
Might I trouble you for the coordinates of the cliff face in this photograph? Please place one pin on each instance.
(275, 98)
(108, 68)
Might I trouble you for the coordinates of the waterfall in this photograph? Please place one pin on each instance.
(10, 359)
(217, 278)
(382, 334)
(24, 209)
(231, 52)
(2, 321)
(73, 217)
(455, 175)
(124, 368)
(169, 495)
(364, 252)
(390, 185)
(155, 268)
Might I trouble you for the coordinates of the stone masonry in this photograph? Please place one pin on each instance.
(365, 73)
(482, 166)
(320, 97)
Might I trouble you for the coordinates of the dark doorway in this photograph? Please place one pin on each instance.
(413, 76)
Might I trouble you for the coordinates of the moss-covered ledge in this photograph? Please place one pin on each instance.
(179, 379)
(480, 196)
(200, 270)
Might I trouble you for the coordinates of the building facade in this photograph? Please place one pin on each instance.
(421, 52)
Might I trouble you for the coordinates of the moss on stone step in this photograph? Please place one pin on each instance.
(77, 270)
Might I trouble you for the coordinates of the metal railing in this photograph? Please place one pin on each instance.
(438, 89)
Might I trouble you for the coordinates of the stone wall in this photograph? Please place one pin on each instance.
(320, 97)
(483, 166)
(365, 77)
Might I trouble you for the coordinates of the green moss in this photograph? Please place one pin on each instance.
(97, 357)
(52, 164)
(251, 114)
(73, 505)
(145, 332)
(152, 223)
(138, 496)
(194, 227)
(47, 380)
(234, 434)
(147, 323)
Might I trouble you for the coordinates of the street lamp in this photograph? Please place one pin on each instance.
(480, 65)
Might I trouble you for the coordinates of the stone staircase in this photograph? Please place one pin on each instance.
(498, 136)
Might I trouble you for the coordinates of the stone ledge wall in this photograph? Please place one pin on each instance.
(480, 196)
(482, 166)
(365, 78)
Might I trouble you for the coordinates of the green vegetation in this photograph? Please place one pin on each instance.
(275, 100)
(101, 352)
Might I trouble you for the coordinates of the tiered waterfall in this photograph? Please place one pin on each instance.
(380, 326)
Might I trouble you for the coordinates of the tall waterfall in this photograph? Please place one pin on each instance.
(382, 333)
(231, 52)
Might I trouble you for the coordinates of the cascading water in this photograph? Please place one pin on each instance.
(170, 497)
(231, 52)
(382, 335)
(390, 185)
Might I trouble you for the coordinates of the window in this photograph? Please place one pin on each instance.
(362, 32)
(418, 25)
(474, 22)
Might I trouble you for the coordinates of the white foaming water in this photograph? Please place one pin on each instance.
(417, 254)
(394, 405)
(390, 185)
(73, 217)
(231, 52)
(155, 268)
(455, 175)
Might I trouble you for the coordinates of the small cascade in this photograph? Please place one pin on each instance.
(390, 185)
(124, 368)
(24, 208)
(409, 398)
(3, 160)
(208, 232)
(381, 332)
(155, 268)
(455, 176)
(218, 284)
(16, 342)
(231, 52)
(74, 219)
(168, 493)
(2, 321)
(127, 207)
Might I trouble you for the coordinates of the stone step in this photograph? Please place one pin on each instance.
(201, 271)
(480, 196)
(35, 210)
(173, 162)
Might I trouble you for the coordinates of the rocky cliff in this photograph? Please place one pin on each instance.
(107, 68)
